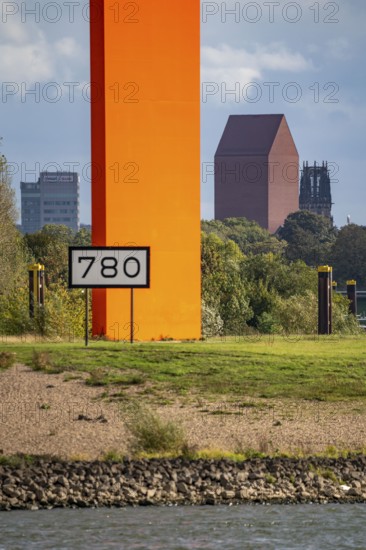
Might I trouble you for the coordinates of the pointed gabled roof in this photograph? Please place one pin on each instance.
(249, 135)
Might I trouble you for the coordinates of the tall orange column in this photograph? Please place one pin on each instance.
(146, 160)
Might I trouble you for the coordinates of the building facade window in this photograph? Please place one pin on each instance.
(53, 189)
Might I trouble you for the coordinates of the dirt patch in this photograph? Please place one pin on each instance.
(44, 414)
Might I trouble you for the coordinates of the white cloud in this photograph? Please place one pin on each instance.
(230, 65)
(13, 31)
(67, 47)
(276, 57)
(27, 54)
(28, 62)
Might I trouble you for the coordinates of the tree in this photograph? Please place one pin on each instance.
(82, 237)
(223, 290)
(14, 309)
(64, 309)
(348, 256)
(270, 280)
(250, 237)
(309, 237)
(50, 246)
(212, 324)
(11, 252)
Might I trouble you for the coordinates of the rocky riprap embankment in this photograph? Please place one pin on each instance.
(50, 483)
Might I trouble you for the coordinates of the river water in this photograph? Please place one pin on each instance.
(310, 526)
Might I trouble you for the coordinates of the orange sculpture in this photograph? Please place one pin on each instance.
(146, 160)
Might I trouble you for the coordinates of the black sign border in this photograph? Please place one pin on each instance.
(91, 248)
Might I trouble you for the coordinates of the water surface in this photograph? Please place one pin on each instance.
(310, 526)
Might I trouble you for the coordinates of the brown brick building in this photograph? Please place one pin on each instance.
(257, 170)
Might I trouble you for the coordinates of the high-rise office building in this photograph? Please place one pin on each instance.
(53, 199)
(30, 206)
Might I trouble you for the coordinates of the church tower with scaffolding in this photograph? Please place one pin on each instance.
(315, 194)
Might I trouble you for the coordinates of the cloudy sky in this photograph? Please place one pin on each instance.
(304, 59)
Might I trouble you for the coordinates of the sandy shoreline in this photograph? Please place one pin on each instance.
(55, 415)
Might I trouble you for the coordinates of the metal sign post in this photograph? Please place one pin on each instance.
(86, 317)
(131, 318)
(109, 267)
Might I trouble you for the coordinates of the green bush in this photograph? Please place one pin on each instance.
(63, 314)
(267, 323)
(42, 361)
(212, 324)
(151, 434)
(298, 314)
(344, 322)
(14, 311)
(97, 377)
(7, 359)
(113, 456)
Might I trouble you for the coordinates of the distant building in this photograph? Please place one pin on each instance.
(315, 194)
(53, 199)
(30, 206)
(257, 170)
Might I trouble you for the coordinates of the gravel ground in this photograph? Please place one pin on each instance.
(44, 414)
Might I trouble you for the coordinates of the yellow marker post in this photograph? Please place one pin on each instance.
(36, 287)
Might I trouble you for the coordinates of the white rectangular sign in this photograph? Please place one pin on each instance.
(109, 267)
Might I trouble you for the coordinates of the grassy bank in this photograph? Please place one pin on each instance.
(312, 368)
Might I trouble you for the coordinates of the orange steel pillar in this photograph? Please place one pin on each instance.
(146, 160)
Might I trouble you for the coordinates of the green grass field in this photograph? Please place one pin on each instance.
(314, 368)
